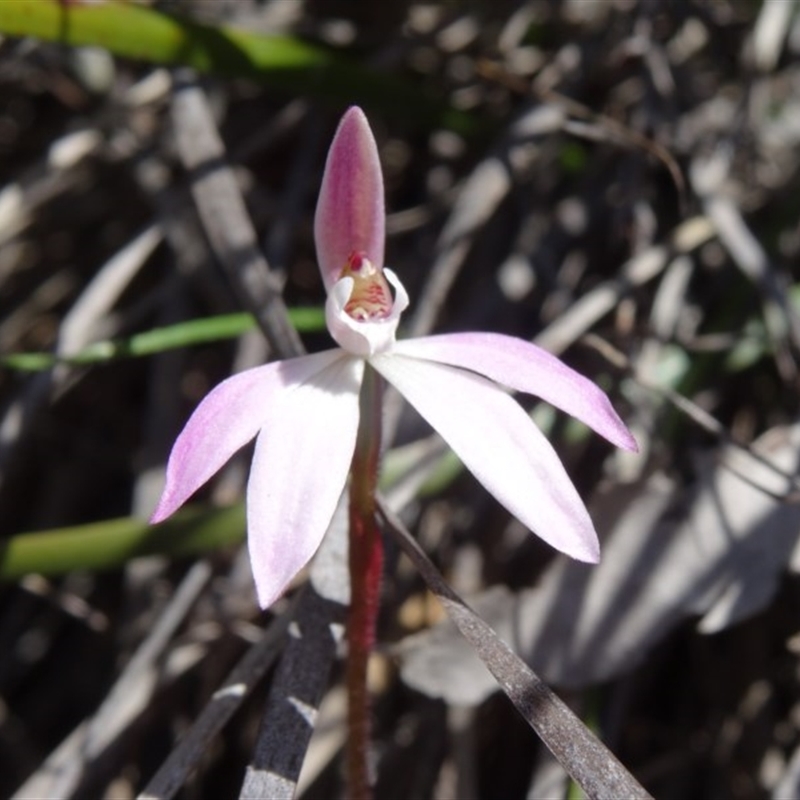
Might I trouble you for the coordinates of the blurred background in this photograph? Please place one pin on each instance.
(614, 180)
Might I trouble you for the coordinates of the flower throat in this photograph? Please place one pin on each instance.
(371, 297)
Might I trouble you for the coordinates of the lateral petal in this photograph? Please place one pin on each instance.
(501, 446)
(524, 367)
(299, 469)
(350, 212)
(227, 418)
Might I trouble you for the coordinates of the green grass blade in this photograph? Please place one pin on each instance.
(182, 334)
(111, 543)
(134, 31)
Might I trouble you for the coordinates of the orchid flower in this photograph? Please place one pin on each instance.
(304, 412)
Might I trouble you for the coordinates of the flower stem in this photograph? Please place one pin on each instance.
(366, 567)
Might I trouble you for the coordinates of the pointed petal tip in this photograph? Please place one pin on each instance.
(591, 556)
(265, 593)
(631, 445)
(354, 116)
(617, 432)
(586, 549)
(352, 123)
(162, 511)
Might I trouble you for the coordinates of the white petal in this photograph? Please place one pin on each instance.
(501, 446)
(228, 417)
(300, 467)
(523, 366)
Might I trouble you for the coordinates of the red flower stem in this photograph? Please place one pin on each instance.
(366, 567)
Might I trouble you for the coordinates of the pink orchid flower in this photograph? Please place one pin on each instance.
(304, 412)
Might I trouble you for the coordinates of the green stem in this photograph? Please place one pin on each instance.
(366, 566)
